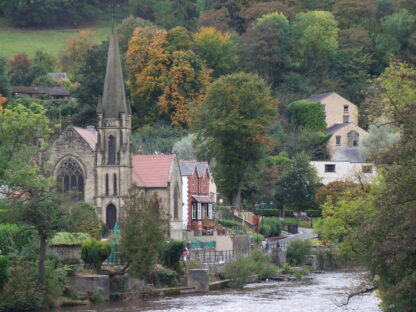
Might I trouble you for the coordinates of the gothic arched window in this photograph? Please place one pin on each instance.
(176, 202)
(115, 184)
(71, 179)
(111, 160)
(106, 185)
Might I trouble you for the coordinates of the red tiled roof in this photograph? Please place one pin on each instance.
(88, 136)
(152, 170)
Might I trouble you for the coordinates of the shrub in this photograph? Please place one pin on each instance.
(270, 227)
(229, 223)
(297, 250)
(84, 218)
(288, 212)
(94, 252)
(239, 271)
(20, 292)
(256, 238)
(14, 238)
(3, 270)
(164, 277)
(268, 212)
(172, 253)
(69, 239)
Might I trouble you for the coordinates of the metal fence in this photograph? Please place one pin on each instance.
(276, 244)
(215, 256)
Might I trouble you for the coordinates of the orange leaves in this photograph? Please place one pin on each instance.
(158, 76)
(2, 101)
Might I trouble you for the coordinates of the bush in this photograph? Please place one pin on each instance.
(94, 252)
(256, 238)
(313, 213)
(238, 271)
(20, 292)
(164, 278)
(14, 238)
(84, 218)
(297, 250)
(268, 212)
(288, 212)
(229, 223)
(270, 227)
(69, 239)
(172, 253)
(3, 270)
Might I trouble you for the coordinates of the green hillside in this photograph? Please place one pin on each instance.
(17, 40)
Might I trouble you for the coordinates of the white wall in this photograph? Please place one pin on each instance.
(344, 171)
(184, 202)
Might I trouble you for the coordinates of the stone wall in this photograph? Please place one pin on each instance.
(334, 110)
(343, 133)
(88, 285)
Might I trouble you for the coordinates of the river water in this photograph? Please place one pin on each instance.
(321, 293)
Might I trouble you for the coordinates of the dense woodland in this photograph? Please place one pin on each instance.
(228, 81)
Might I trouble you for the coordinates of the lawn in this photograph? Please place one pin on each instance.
(18, 40)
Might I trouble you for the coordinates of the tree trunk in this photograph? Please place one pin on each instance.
(42, 256)
(238, 199)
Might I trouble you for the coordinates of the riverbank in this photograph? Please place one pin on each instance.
(323, 292)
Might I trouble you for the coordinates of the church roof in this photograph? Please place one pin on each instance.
(88, 136)
(114, 96)
(152, 170)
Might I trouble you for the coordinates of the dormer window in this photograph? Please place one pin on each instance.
(345, 108)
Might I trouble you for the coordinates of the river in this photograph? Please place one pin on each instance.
(321, 293)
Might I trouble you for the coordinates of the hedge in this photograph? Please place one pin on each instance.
(268, 212)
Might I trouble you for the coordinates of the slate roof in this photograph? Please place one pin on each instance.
(349, 154)
(88, 136)
(152, 170)
(202, 167)
(335, 127)
(55, 91)
(187, 167)
(320, 97)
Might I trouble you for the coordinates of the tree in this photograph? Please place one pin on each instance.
(4, 80)
(170, 14)
(143, 231)
(76, 48)
(265, 47)
(184, 148)
(232, 124)
(306, 114)
(83, 218)
(165, 81)
(217, 49)
(219, 19)
(352, 13)
(333, 192)
(297, 185)
(315, 38)
(32, 200)
(18, 70)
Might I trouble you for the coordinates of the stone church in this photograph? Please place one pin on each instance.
(96, 164)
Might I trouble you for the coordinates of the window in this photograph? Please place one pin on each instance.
(115, 184)
(323, 107)
(111, 216)
(346, 119)
(194, 214)
(353, 139)
(111, 160)
(106, 185)
(70, 178)
(338, 140)
(345, 108)
(210, 211)
(199, 211)
(193, 185)
(367, 169)
(330, 168)
(176, 203)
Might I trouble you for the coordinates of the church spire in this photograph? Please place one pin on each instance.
(114, 97)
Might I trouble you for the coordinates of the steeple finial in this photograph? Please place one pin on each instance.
(114, 96)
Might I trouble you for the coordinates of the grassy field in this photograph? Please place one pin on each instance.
(18, 40)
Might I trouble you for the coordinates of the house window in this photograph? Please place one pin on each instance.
(346, 119)
(367, 169)
(323, 107)
(193, 185)
(115, 184)
(338, 140)
(345, 108)
(106, 185)
(199, 211)
(71, 179)
(194, 214)
(111, 160)
(329, 168)
(353, 139)
(210, 211)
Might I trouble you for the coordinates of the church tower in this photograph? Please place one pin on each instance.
(113, 150)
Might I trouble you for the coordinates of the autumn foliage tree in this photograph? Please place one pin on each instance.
(165, 79)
